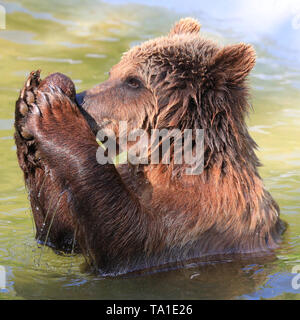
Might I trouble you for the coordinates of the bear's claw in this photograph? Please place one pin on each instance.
(26, 102)
(30, 87)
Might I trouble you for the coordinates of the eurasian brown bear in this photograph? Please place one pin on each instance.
(134, 217)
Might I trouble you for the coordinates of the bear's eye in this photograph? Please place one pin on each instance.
(133, 83)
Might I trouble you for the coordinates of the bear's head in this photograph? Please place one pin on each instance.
(180, 81)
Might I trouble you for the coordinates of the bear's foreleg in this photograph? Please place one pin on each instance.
(112, 227)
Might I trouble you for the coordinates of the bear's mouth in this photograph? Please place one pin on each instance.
(94, 125)
(79, 99)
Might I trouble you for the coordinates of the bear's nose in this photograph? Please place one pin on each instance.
(80, 98)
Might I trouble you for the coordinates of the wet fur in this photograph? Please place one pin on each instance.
(128, 217)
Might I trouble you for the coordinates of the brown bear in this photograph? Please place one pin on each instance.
(132, 217)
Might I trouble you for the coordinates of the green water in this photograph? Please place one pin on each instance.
(83, 39)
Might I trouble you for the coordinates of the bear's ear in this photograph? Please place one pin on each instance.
(186, 25)
(232, 63)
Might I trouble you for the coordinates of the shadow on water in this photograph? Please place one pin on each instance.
(225, 279)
